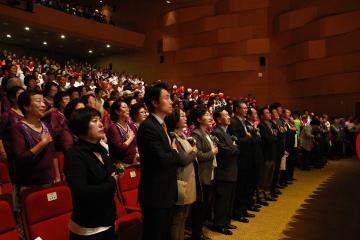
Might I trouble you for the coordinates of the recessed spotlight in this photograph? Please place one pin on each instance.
(168, 1)
(90, 51)
(108, 45)
(62, 36)
(44, 43)
(100, 1)
(27, 28)
(8, 35)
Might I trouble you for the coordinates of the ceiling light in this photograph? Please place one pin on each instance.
(44, 43)
(62, 36)
(90, 51)
(101, 1)
(108, 45)
(8, 35)
(168, 1)
(27, 28)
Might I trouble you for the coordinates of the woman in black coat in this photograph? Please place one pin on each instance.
(91, 178)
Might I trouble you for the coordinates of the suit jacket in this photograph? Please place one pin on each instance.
(258, 156)
(306, 138)
(244, 143)
(289, 138)
(281, 137)
(91, 185)
(158, 185)
(204, 156)
(226, 158)
(269, 141)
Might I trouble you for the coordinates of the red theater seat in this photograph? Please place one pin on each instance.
(60, 158)
(47, 213)
(128, 188)
(128, 225)
(6, 186)
(7, 222)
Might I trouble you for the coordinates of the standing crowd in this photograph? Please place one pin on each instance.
(205, 159)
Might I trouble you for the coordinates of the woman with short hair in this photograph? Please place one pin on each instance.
(187, 175)
(91, 177)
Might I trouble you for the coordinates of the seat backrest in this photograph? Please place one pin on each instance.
(6, 186)
(60, 158)
(128, 184)
(7, 221)
(120, 209)
(47, 212)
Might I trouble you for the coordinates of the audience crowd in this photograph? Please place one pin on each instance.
(70, 7)
(205, 158)
(75, 9)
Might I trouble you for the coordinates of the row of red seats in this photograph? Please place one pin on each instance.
(127, 185)
(47, 211)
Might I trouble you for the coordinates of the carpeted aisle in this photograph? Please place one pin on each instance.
(323, 204)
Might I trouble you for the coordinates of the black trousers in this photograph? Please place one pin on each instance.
(156, 223)
(108, 235)
(245, 190)
(224, 202)
(291, 163)
(306, 158)
(200, 210)
(276, 177)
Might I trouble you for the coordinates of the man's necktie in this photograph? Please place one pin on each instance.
(166, 132)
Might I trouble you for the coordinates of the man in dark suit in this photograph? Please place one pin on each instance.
(268, 134)
(245, 161)
(276, 110)
(159, 161)
(225, 174)
(258, 162)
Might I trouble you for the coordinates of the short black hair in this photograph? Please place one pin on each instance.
(114, 116)
(72, 90)
(86, 97)
(197, 113)
(11, 93)
(261, 111)
(315, 122)
(134, 110)
(48, 86)
(70, 107)
(80, 119)
(58, 98)
(98, 89)
(274, 105)
(24, 99)
(172, 119)
(237, 104)
(297, 113)
(153, 94)
(28, 78)
(107, 103)
(217, 114)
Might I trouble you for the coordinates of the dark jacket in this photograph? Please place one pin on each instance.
(269, 141)
(258, 156)
(159, 162)
(226, 158)
(204, 155)
(244, 143)
(92, 186)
